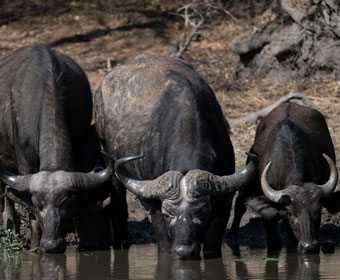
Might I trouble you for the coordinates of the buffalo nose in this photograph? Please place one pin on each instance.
(51, 245)
(309, 247)
(187, 252)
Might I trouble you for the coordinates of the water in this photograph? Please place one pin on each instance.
(142, 262)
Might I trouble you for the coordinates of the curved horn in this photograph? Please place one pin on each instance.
(239, 179)
(161, 187)
(84, 181)
(268, 191)
(17, 182)
(206, 183)
(330, 185)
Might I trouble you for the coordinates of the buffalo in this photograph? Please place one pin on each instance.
(160, 108)
(296, 176)
(46, 110)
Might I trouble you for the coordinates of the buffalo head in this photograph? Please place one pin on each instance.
(185, 200)
(52, 195)
(300, 206)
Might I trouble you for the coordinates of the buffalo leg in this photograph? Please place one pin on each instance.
(119, 217)
(213, 242)
(273, 240)
(253, 188)
(10, 217)
(36, 232)
(292, 241)
(161, 232)
(103, 231)
(240, 209)
(86, 221)
(220, 216)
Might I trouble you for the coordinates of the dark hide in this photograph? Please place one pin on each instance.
(293, 138)
(162, 109)
(46, 110)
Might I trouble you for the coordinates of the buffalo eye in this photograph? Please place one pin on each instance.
(168, 216)
(285, 200)
(63, 201)
(196, 221)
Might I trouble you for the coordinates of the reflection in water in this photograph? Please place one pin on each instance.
(306, 266)
(185, 270)
(142, 262)
(120, 264)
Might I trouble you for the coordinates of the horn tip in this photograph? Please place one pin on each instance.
(253, 157)
(106, 154)
(323, 154)
(127, 159)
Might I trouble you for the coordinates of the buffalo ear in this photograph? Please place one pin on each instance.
(332, 203)
(264, 207)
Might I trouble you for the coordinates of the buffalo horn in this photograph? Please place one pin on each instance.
(226, 184)
(330, 185)
(83, 181)
(149, 189)
(17, 182)
(239, 179)
(268, 191)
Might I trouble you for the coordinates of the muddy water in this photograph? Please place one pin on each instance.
(142, 262)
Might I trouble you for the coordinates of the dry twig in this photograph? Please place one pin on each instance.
(193, 20)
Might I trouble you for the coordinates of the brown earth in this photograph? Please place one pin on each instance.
(91, 32)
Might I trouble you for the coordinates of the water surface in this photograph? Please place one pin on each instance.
(142, 262)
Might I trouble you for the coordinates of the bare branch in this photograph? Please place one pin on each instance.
(291, 97)
(192, 22)
(224, 10)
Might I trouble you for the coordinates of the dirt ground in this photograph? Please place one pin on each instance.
(91, 32)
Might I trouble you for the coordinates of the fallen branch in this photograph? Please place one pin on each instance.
(293, 12)
(291, 97)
